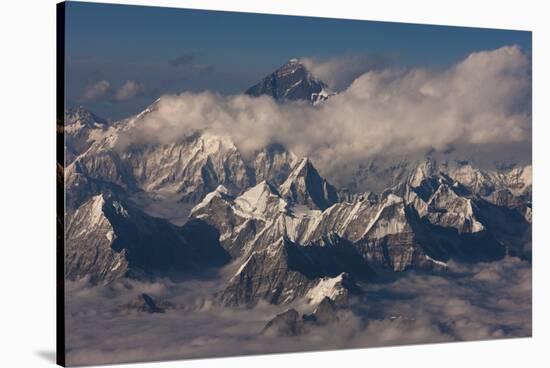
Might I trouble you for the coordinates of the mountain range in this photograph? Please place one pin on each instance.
(198, 204)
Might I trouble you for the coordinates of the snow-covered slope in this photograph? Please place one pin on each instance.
(187, 169)
(81, 129)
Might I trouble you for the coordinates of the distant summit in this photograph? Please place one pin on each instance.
(293, 82)
(83, 117)
(81, 126)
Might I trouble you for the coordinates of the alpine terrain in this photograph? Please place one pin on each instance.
(298, 250)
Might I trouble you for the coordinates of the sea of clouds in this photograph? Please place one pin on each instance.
(469, 302)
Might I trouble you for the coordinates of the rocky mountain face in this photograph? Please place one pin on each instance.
(80, 129)
(305, 186)
(377, 174)
(292, 82)
(292, 234)
(274, 164)
(288, 248)
(292, 323)
(272, 274)
(188, 169)
(106, 239)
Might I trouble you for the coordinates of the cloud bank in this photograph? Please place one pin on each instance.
(481, 100)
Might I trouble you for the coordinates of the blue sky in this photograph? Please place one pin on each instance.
(166, 50)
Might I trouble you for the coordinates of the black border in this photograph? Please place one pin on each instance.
(60, 184)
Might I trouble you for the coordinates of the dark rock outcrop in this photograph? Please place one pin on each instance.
(292, 323)
(288, 323)
(146, 304)
(291, 82)
(107, 239)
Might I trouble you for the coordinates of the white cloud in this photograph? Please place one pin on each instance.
(339, 72)
(482, 100)
(103, 89)
(128, 90)
(97, 90)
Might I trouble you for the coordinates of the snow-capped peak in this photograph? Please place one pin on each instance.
(219, 192)
(304, 186)
(292, 81)
(260, 201)
(327, 287)
(256, 195)
(80, 117)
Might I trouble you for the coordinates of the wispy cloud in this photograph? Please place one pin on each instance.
(184, 59)
(187, 62)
